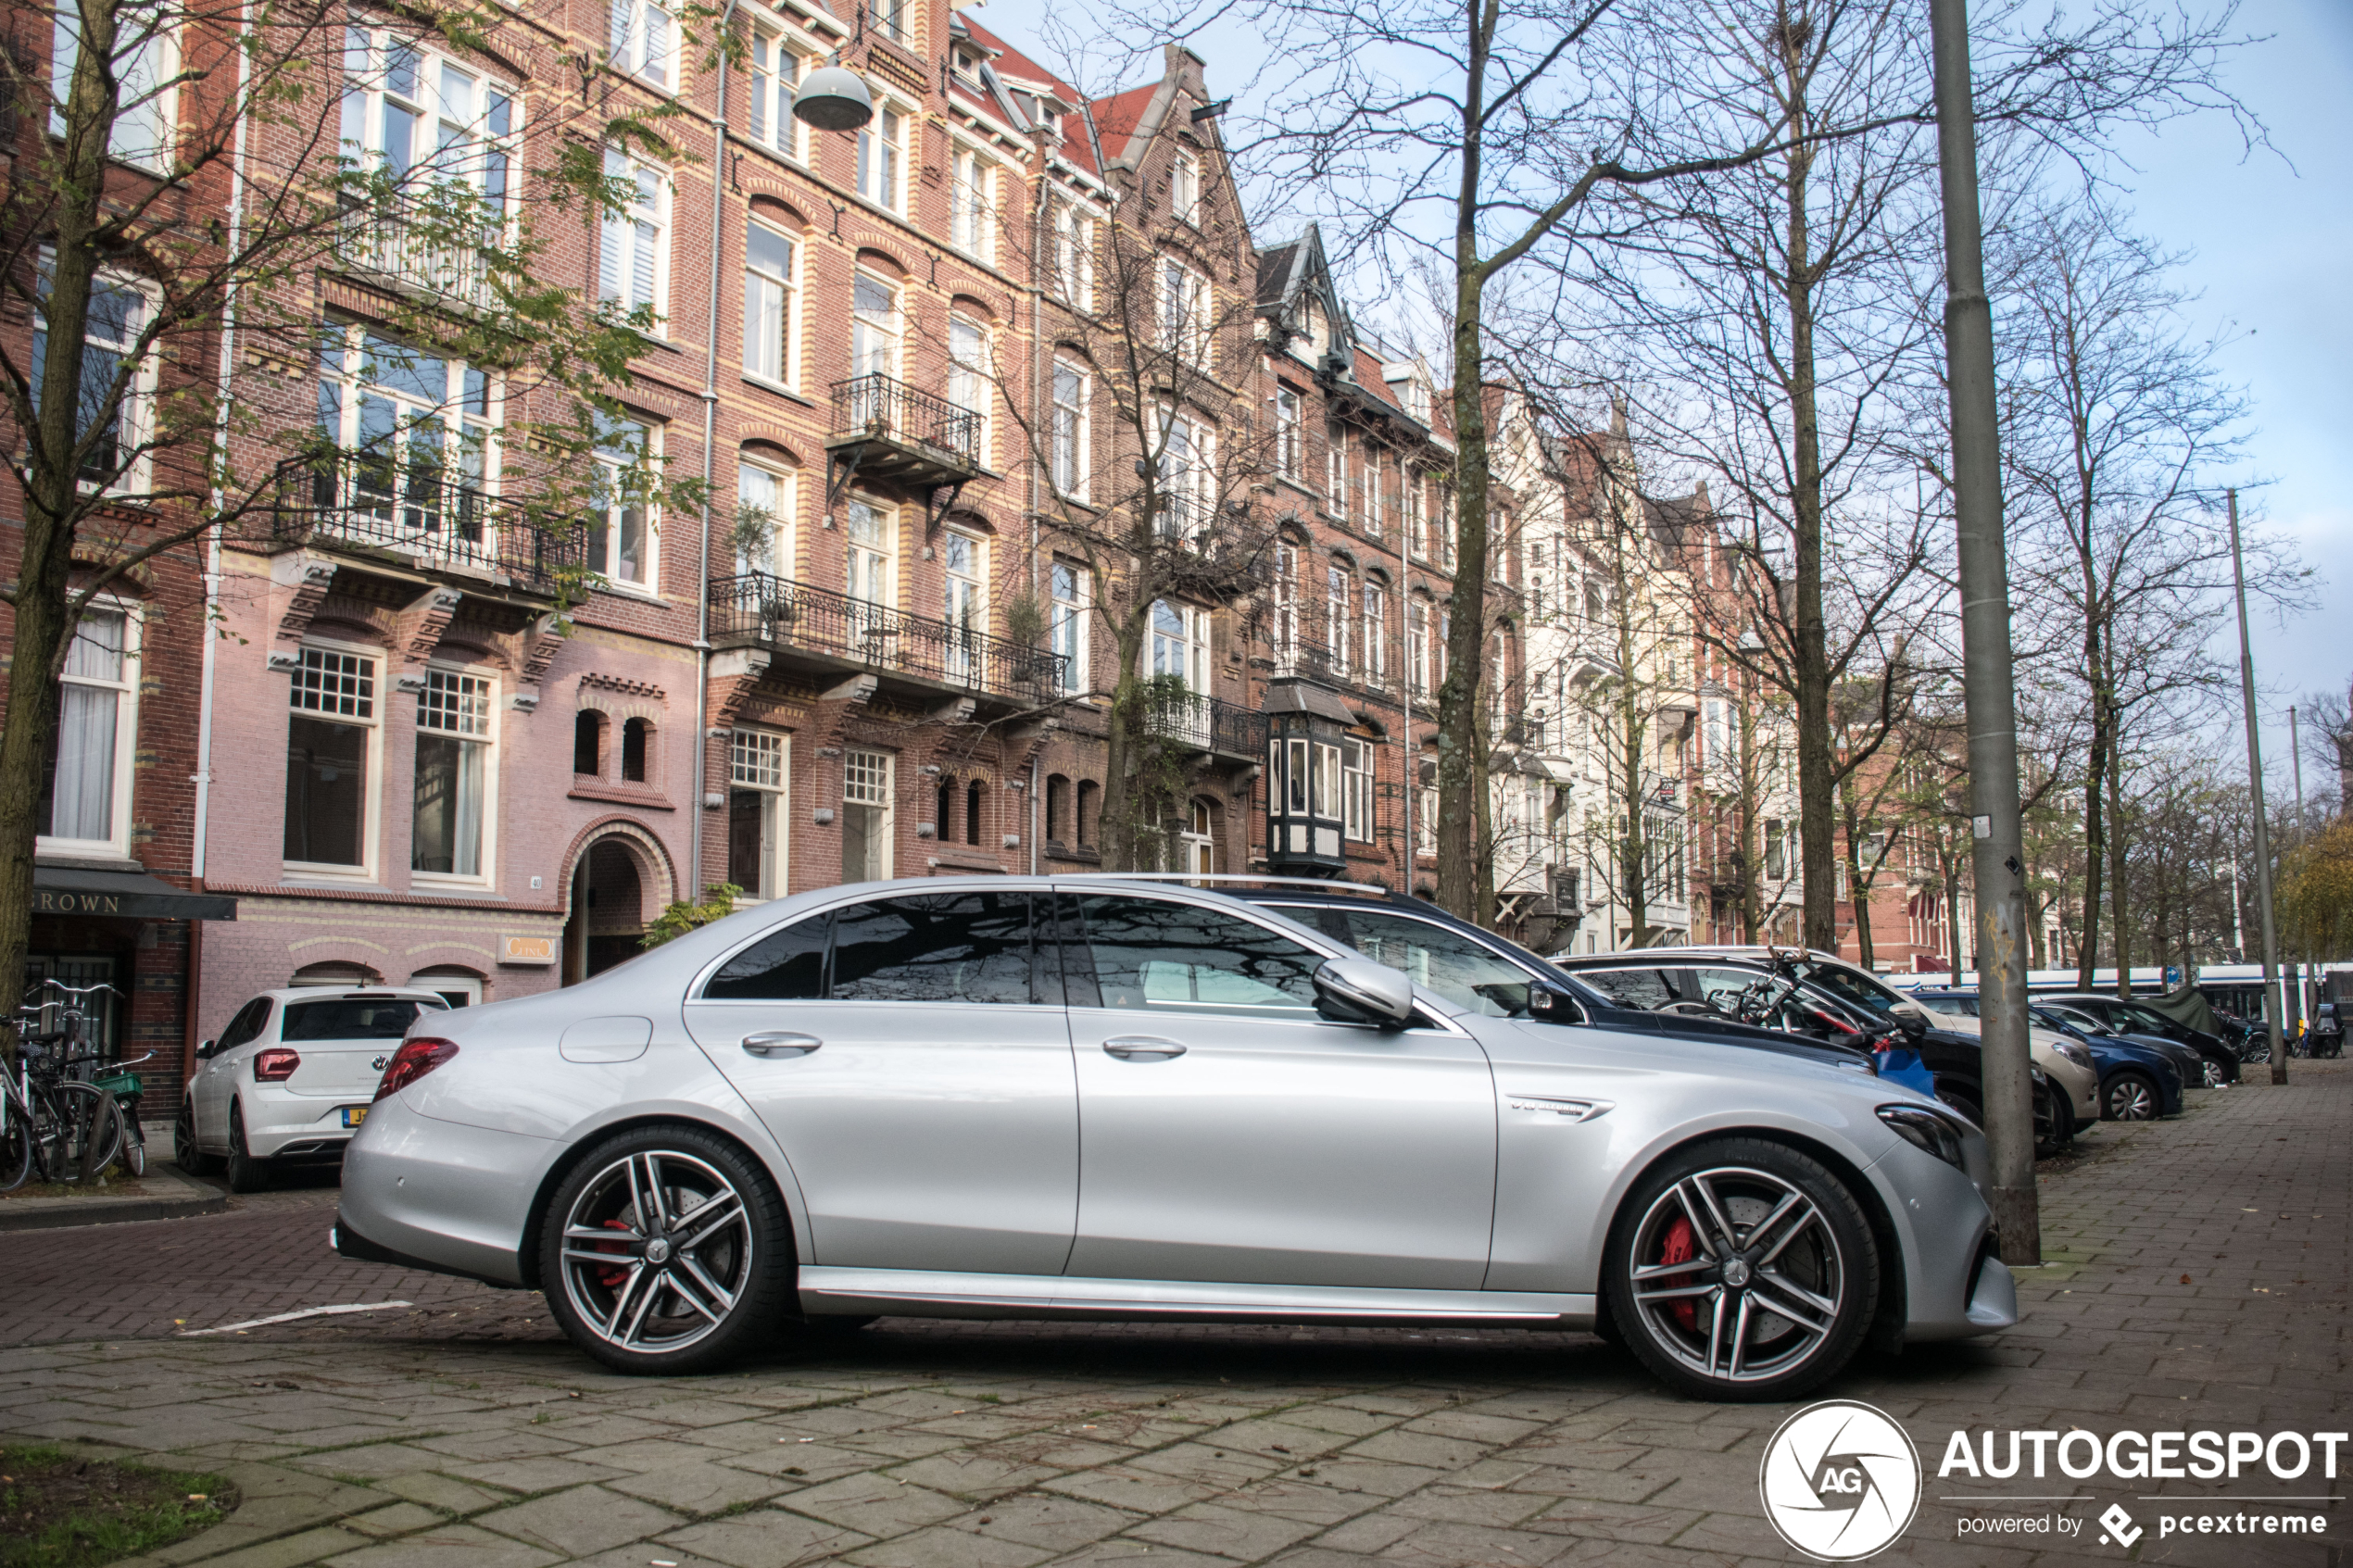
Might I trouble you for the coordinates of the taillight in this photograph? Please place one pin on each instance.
(275, 1065)
(412, 1061)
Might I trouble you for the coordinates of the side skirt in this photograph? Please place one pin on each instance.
(924, 1293)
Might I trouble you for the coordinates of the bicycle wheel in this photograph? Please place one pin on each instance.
(89, 1131)
(134, 1139)
(15, 1145)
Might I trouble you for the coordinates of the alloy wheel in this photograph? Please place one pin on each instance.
(1737, 1275)
(2130, 1099)
(658, 1250)
(2213, 1075)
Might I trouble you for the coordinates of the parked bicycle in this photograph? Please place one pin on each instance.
(61, 1117)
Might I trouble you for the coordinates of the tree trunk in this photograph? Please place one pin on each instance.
(1117, 825)
(1751, 831)
(2094, 841)
(1858, 894)
(1809, 650)
(2120, 915)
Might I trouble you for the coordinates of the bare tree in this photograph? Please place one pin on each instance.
(184, 175)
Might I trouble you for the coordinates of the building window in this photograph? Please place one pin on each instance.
(1286, 454)
(879, 156)
(759, 768)
(1075, 257)
(1180, 644)
(975, 807)
(640, 37)
(968, 376)
(1416, 524)
(866, 816)
(1336, 471)
(117, 458)
(331, 760)
(1090, 813)
(633, 256)
(774, 72)
(1776, 849)
(1184, 311)
(86, 791)
(453, 756)
(1184, 188)
(1188, 476)
(621, 533)
(872, 553)
(1285, 629)
(764, 521)
(965, 601)
(1071, 394)
(1418, 646)
(636, 745)
(874, 327)
(418, 432)
(1068, 585)
(408, 112)
(1058, 830)
(588, 744)
(970, 203)
(1426, 826)
(1376, 632)
(1356, 789)
(1336, 616)
(768, 304)
(146, 55)
(890, 19)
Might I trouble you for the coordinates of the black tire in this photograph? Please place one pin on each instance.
(1796, 1307)
(246, 1173)
(739, 1259)
(1963, 1102)
(2131, 1095)
(184, 1152)
(134, 1141)
(90, 1132)
(15, 1147)
(2054, 1121)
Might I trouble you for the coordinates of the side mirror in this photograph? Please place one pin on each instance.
(1912, 1021)
(1360, 991)
(1549, 1004)
(204, 1051)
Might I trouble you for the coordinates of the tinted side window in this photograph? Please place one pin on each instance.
(1855, 987)
(939, 947)
(246, 1024)
(1644, 988)
(784, 966)
(342, 1019)
(1153, 955)
(1461, 971)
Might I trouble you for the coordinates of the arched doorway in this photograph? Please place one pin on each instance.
(614, 893)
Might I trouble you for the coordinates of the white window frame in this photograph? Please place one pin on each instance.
(775, 65)
(881, 797)
(121, 775)
(1184, 300)
(1338, 594)
(761, 760)
(873, 339)
(612, 485)
(963, 601)
(1181, 650)
(777, 294)
(469, 407)
(1184, 188)
(880, 549)
(1376, 631)
(1188, 461)
(1075, 255)
(1068, 627)
(641, 39)
(1336, 471)
(469, 682)
(1418, 646)
(972, 202)
(971, 356)
(1284, 625)
(1070, 437)
(1287, 459)
(1416, 525)
(372, 750)
(890, 20)
(642, 227)
(475, 144)
(782, 537)
(134, 416)
(1356, 789)
(882, 157)
(145, 134)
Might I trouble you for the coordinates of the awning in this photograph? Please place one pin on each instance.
(73, 890)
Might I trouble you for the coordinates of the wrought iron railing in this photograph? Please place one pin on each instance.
(889, 409)
(789, 614)
(425, 513)
(1206, 723)
(1294, 657)
(395, 239)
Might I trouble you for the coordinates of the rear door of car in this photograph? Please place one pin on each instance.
(911, 1056)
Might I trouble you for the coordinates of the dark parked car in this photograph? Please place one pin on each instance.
(2125, 1017)
(2187, 1065)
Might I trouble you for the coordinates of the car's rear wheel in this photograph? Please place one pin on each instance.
(246, 1173)
(2215, 1074)
(184, 1152)
(667, 1250)
(2130, 1097)
(1742, 1270)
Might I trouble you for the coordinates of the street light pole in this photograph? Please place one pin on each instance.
(1998, 838)
(2272, 1003)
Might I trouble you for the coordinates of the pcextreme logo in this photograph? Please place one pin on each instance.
(1840, 1481)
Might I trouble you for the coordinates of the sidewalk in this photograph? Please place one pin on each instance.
(162, 1194)
(2198, 1278)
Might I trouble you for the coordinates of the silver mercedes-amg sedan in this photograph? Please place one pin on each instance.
(1086, 1098)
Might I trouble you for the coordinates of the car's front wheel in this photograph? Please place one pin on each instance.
(667, 1250)
(1742, 1270)
(2130, 1097)
(2214, 1073)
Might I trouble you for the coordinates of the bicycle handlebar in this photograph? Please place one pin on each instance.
(80, 990)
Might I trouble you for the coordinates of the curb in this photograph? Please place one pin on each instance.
(107, 1211)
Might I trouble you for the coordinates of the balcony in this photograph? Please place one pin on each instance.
(422, 517)
(1295, 656)
(886, 433)
(839, 633)
(405, 241)
(1203, 723)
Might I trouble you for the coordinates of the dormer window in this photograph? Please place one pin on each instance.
(965, 61)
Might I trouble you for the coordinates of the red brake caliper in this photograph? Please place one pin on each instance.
(1680, 1246)
(611, 1278)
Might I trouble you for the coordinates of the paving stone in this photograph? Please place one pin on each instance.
(875, 1505)
(700, 1489)
(1051, 1524)
(584, 1520)
(398, 1520)
(1224, 1530)
(450, 1545)
(763, 1539)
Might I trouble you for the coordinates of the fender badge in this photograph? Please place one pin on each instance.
(1573, 1109)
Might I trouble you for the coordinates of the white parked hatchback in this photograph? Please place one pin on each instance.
(291, 1077)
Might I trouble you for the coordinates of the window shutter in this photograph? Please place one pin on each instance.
(641, 289)
(657, 45)
(618, 43)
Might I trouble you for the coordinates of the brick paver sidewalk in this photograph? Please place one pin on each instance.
(2199, 1280)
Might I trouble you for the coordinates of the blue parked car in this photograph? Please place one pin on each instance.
(2139, 1082)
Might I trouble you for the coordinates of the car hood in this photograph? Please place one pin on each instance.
(1510, 1041)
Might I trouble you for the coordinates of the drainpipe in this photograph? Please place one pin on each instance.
(221, 457)
(710, 433)
(1041, 191)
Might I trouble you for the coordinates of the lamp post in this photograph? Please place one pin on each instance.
(1997, 839)
(2272, 1004)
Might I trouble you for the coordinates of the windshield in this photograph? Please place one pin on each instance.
(344, 1018)
(1854, 986)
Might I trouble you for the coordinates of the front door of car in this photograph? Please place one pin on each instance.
(911, 1056)
(216, 1083)
(1230, 1133)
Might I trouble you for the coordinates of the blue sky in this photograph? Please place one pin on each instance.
(2269, 244)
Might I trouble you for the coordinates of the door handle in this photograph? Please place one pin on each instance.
(1142, 1047)
(780, 1042)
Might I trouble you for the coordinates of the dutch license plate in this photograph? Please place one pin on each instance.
(354, 1114)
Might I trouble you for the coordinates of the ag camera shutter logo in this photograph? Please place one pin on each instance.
(1840, 1481)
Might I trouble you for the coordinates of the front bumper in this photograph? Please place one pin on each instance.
(1954, 1285)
